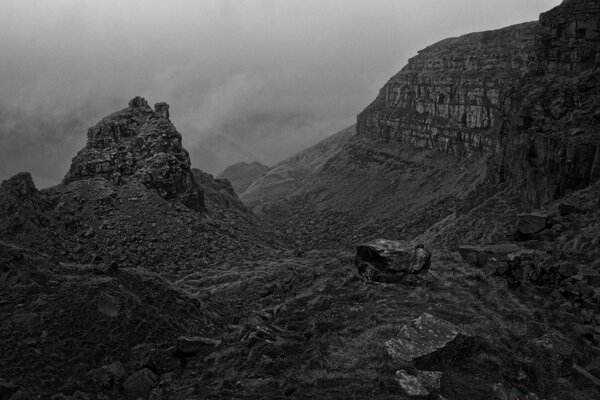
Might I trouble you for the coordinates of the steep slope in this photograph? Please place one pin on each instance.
(242, 174)
(291, 174)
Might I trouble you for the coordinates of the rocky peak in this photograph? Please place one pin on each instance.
(138, 143)
(20, 185)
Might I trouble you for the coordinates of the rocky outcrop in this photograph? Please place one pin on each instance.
(243, 174)
(141, 144)
(526, 96)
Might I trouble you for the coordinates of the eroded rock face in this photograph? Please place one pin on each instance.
(526, 95)
(138, 143)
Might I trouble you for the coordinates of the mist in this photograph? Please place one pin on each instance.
(246, 80)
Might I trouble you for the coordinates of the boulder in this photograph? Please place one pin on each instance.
(391, 261)
(479, 255)
(7, 389)
(140, 384)
(426, 337)
(424, 383)
(532, 223)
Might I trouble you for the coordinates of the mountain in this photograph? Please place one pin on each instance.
(447, 246)
(506, 119)
(291, 174)
(242, 174)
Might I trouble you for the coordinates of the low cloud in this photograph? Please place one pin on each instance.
(254, 79)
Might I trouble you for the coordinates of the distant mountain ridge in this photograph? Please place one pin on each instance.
(243, 174)
(282, 179)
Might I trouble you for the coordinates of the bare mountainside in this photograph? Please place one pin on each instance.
(447, 247)
(293, 173)
(241, 175)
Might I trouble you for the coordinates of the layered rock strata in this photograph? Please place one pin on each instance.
(138, 143)
(527, 96)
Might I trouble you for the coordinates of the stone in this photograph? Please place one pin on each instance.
(591, 378)
(140, 384)
(139, 144)
(565, 208)
(479, 255)
(7, 389)
(568, 269)
(425, 337)
(187, 345)
(594, 367)
(532, 223)
(108, 305)
(157, 359)
(107, 376)
(424, 383)
(390, 260)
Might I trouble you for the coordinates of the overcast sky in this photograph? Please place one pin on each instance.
(246, 79)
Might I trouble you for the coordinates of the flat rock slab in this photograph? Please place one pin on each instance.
(424, 383)
(425, 336)
(479, 255)
(390, 260)
(532, 223)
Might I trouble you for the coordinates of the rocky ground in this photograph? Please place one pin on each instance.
(140, 277)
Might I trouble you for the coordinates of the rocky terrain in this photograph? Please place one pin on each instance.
(446, 247)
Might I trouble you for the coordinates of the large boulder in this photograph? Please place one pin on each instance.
(391, 261)
(426, 338)
(532, 223)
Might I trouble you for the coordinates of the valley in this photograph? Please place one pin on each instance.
(140, 277)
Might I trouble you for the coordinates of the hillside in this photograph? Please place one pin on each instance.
(291, 174)
(444, 247)
(242, 174)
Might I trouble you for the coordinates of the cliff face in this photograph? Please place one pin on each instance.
(525, 96)
(141, 144)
